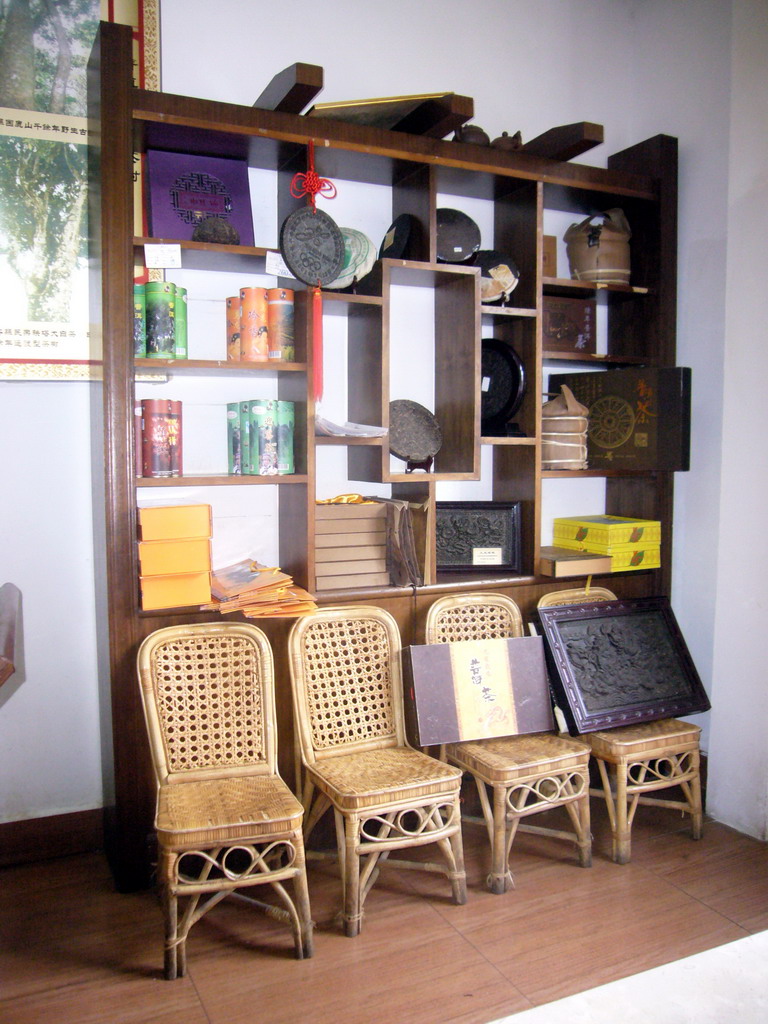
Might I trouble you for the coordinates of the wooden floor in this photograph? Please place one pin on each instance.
(73, 950)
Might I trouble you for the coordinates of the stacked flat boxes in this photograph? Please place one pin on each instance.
(351, 546)
(174, 556)
(630, 543)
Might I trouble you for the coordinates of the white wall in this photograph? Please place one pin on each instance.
(639, 67)
(738, 788)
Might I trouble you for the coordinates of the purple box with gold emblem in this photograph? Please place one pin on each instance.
(186, 189)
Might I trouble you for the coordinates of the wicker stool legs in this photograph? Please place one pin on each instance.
(633, 779)
(359, 863)
(511, 803)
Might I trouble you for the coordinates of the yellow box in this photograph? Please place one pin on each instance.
(623, 556)
(599, 533)
(177, 591)
(174, 522)
(167, 557)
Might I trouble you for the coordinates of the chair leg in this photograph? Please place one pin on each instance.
(459, 876)
(174, 955)
(351, 877)
(305, 948)
(579, 814)
(697, 810)
(622, 839)
(500, 878)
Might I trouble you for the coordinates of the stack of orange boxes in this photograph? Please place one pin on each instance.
(174, 555)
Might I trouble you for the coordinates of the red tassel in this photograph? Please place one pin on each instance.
(317, 342)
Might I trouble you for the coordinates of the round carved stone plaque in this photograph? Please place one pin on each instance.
(312, 246)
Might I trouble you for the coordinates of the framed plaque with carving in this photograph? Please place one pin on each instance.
(619, 663)
(478, 535)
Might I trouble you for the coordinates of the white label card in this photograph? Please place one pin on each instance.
(275, 265)
(486, 556)
(164, 256)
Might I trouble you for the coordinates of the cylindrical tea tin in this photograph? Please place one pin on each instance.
(233, 328)
(253, 325)
(161, 318)
(139, 321)
(280, 323)
(180, 348)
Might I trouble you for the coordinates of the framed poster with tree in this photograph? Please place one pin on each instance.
(44, 50)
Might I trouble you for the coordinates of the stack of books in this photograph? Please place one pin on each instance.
(258, 591)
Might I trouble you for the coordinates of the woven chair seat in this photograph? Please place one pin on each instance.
(378, 778)
(509, 758)
(648, 739)
(219, 810)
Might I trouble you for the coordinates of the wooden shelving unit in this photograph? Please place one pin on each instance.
(416, 170)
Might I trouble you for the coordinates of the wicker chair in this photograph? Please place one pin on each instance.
(225, 820)
(635, 760)
(347, 689)
(526, 774)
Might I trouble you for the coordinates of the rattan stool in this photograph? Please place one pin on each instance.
(644, 758)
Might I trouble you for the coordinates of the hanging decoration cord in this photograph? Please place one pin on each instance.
(310, 184)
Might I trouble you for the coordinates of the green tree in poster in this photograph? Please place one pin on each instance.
(44, 47)
(44, 188)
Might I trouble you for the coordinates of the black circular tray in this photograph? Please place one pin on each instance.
(502, 376)
(458, 237)
(397, 243)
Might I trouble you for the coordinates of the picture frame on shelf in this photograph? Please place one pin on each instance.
(472, 536)
(615, 663)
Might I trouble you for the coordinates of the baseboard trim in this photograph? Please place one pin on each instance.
(57, 835)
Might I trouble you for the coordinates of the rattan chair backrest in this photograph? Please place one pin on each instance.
(208, 693)
(347, 681)
(576, 595)
(473, 617)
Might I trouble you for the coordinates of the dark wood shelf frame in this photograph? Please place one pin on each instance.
(416, 169)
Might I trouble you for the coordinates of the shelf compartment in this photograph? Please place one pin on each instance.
(209, 367)
(568, 286)
(343, 442)
(567, 474)
(215, 480)
(507, 312)
(456, 312)
(594, 358)
(210, 256)
(504, 441)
